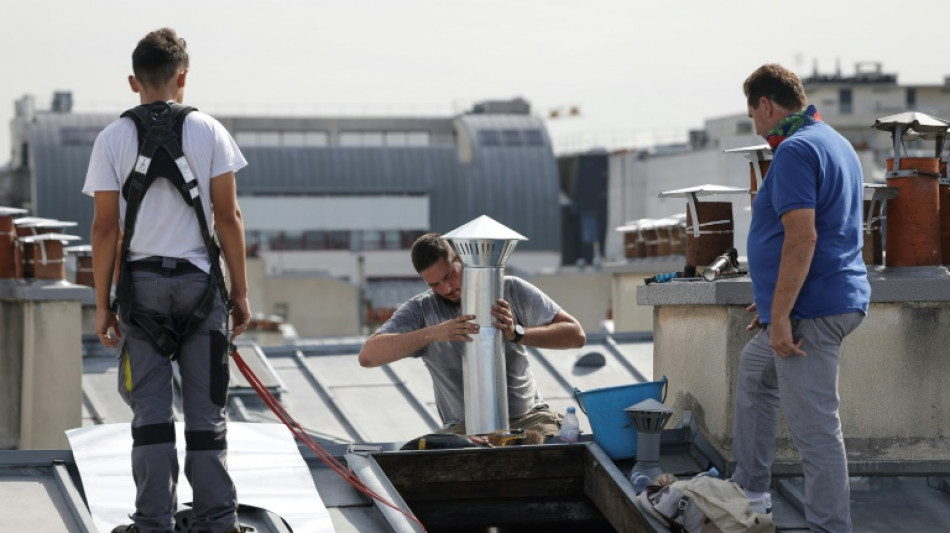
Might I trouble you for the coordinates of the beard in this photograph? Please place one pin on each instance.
(457, 302)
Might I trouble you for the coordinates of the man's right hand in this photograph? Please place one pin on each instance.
(240, 315)
(106, 321)
(456, 329)
(384, 348)
(755, 320)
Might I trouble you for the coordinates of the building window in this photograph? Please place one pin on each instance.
(305, 138)
(396, 138)
(533, 137)
(361, 138)
(407, 237)
(391, 240)
(489, 138)
(252, 243)
(911, 98)
(511, 137)
(418, 138)
(291, 240)
(370, 240)
(845, 103)
(314, 240)
(75, 136)
(407, 138)
(267, 239)
(289, 139)
(355, 240)
(338, 240)
(744, 127)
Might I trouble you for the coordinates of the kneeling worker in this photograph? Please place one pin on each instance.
(430, 326)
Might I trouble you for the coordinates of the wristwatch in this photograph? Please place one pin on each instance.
(519, 333)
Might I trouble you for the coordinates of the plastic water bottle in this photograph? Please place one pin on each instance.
(640, 481)
(570, 427)
(712, 472)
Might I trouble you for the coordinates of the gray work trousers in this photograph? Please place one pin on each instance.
(806, 388)
(145, 382)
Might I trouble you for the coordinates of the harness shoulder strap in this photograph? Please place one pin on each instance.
(159, 126)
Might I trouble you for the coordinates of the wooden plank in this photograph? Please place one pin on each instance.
(551, 488)
(483, 464)
(501, 513)
(542, 485)
(612, 494)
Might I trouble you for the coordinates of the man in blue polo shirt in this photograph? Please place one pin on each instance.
(811, 290)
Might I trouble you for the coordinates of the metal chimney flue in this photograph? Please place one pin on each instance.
(912, 233)
(649, 416)
(759, 157)
(483, 246)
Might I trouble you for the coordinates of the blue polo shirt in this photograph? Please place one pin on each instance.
(815, 168)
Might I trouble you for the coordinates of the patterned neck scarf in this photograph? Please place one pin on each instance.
(791, 124)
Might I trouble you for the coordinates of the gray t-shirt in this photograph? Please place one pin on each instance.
(530, 306)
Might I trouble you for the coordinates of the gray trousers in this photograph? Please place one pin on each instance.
(145, 382)
(806, 388)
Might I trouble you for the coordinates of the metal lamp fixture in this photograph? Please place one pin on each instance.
(484, 245)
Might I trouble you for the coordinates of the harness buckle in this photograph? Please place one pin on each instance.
(682, 505)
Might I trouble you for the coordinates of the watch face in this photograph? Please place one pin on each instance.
(519, 330)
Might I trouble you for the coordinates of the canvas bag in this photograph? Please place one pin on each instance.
(704, 505)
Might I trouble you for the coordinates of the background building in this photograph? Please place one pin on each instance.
(849, 103)
(335, 197)
(584, 212)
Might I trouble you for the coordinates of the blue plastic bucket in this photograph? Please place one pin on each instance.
(613, 429)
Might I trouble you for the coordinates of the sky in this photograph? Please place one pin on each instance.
(637, 69)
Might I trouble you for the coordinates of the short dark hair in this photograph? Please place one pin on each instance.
(159, 56)
(776, 83)
(427, 250)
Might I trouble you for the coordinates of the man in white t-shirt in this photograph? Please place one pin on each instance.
(170, 271)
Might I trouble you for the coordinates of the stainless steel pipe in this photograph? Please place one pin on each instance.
(484, 246)
(484, 371)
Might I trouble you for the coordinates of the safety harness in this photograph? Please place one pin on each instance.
(159, 127)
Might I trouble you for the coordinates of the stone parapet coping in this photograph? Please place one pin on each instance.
(911, 284)
(37, 290)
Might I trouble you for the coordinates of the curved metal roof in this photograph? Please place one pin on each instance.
(345, 170)
(515, 184)
(60, 146)
(514, 181)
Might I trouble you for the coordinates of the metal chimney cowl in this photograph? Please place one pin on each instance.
(483, 246)
(649, 416)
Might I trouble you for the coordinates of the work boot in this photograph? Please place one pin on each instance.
(129, 528)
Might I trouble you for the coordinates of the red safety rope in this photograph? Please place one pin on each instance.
(304, 437)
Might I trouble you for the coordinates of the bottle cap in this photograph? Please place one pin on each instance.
(570, 409)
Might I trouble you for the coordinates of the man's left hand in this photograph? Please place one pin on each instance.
(504, 320)
(107, 327)
(781, 336)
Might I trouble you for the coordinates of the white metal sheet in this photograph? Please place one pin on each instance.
(263, 460)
